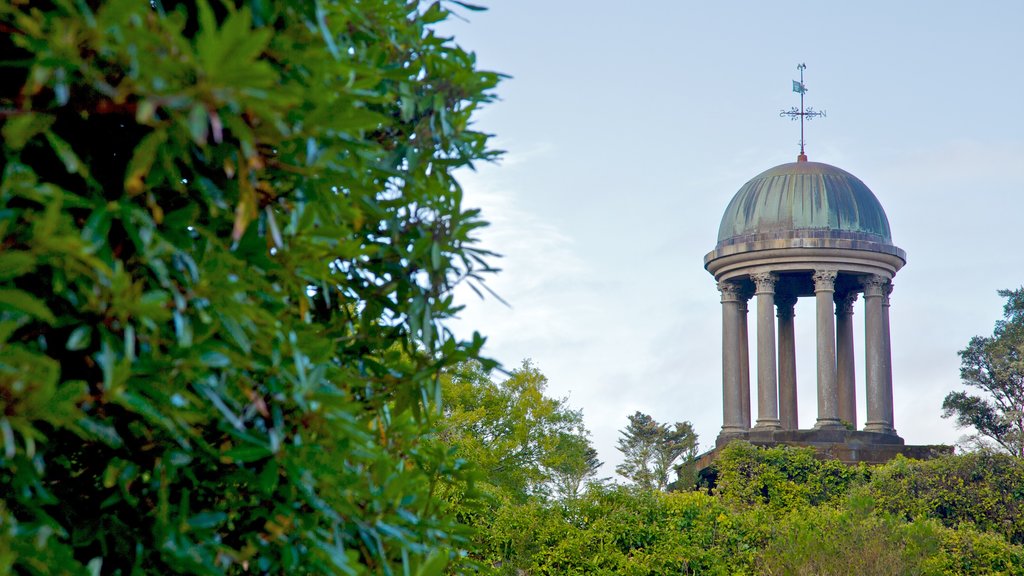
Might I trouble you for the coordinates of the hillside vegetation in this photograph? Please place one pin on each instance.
(779, 511)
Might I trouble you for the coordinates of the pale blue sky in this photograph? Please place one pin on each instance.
(628, 129)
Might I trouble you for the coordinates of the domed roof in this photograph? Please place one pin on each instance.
(804, 200)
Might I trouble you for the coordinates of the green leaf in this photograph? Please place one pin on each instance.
(20, 128)
(23, 302)
(467, 6)
(434, 564)
(72, 163)
(101, 431)
(142, 160)
(14, 263)
(7, 327)
(199, 124)
(80, 338)
(207, 520)
(248, 453)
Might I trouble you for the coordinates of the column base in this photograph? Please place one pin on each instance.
(829, 424)
(768, 424)
(726, 436)
(882, 427)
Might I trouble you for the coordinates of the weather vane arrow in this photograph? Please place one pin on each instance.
(801, 112)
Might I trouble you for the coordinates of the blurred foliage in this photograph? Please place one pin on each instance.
(230, 236)
(995, 366)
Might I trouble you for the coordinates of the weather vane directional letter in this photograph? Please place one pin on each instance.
(801, 112)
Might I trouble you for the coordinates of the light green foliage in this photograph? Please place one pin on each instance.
(522, 442)
(950, 515)
(775, 512)
(782, 477)
(968, 551)
(829, 542)
(652, 450)
(825, 541)
(615, 531)
(995, 366)
(229, 239)
(573, 463)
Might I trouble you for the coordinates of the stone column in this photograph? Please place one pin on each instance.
(846, 370)
(828, 394)
(732, 414)
(744, 359)
(787, 362)
(767, 380)
(887, 356)
(874, 356)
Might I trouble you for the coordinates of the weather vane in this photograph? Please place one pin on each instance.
(801, 112)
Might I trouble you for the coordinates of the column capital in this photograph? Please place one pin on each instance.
(765, 282)
(874, 285)
(825, 280)
(844, 302)
(784, 304)
(730, 291)
(886, 292)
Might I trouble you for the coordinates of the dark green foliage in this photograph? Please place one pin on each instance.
(980, 488)
(995, 366)
(652, 450)
(229, 240)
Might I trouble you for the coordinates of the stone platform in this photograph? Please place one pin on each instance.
(847, 446)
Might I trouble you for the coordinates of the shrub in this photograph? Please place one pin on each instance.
(782, 477)
(982, 488)
(230, 235)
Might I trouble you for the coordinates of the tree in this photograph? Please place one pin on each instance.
(995, 366)
(573, 464)
(525, 443)
(229, 236)
(652, 450)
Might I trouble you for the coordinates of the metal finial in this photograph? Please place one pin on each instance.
(801, 112)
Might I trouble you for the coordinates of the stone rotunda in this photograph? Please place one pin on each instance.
(808, 229)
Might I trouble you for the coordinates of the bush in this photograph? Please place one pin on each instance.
(230, 236)
(782, 477)
(825, 541)
(982, 488)
(967, 551)
(618, 531)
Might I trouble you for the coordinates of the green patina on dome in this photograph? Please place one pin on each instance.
(804, 196)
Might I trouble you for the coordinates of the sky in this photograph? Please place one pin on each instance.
(628, 128)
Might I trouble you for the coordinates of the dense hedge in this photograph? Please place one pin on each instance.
(229, 240)
(775, 511)
(782, 477)
(984, 489)
(617, 530)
